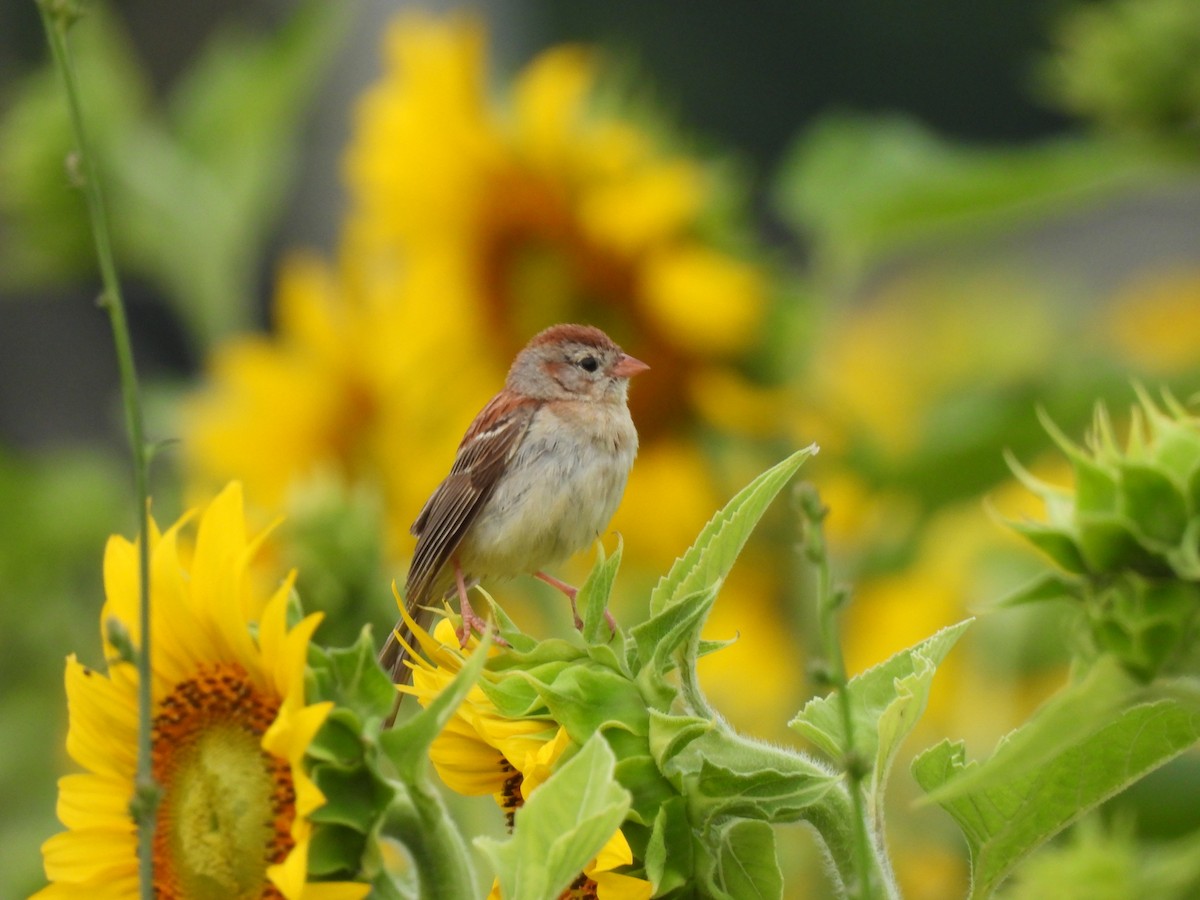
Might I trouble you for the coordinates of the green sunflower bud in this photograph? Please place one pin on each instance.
(1128, 535)
(1141, 621)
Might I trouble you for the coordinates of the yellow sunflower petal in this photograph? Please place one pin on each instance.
(611, 885)
(614, 854)
(465, 762)
(283, 651)
(121, 585)
(219, 540)
(539, 761)
(102, 733)
(614, 886)
(91, 801)
(334, 890)
(108, 887)
(86, 854)
(184, 636)
(288, 737)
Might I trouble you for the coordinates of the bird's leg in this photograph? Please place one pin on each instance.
(572, 593)
(470, 621)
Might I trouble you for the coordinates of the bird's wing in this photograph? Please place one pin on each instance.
(449, 513)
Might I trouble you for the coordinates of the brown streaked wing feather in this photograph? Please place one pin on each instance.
(456, 502)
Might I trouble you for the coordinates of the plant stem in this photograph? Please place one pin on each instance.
(439, 853)
(830, 600)
(689, 683)
(838, 820)
(57, 18)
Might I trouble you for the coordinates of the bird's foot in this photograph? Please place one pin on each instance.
(471, 622)
(608, 617)
(470, 619)
(572, 593)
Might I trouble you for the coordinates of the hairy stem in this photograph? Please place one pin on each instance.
(830, 600)
(840, 822)
(689, 683)
(439, 853)
(57, 17)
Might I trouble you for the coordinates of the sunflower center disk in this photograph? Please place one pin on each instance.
(227, 805)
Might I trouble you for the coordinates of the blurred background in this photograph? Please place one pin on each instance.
(895, 230)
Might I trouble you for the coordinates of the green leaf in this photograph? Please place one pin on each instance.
(1058, 501)
(1076, 756)
(336, 850)
(712, 555)
(670, 735)
(593, 597)
(896, 689)
(746, 864)
(1153, 503)
(657, 640)
(1042, 588)
(669, 852)
(726, 774)
(1070, 715)
(1055, 541)
(339, 740)
(442, 868)
(562, 826)
(352, 678)
(1185, 559)
(639, 774)
(1105, 860)
(408, 743)
(585, 699)
(353, 797)
(518, 640)
(1176, 444)
(1107, 544)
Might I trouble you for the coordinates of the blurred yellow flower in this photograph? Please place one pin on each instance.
(766, 645)
(1153, 321)
(230, 730)
(883, 366)
(965, 561)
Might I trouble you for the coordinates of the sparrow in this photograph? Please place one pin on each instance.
(536, 478)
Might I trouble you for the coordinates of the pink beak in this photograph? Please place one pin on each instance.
(627, 366)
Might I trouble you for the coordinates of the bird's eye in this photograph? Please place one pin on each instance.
(589, 364)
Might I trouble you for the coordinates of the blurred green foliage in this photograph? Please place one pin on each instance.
(863, 188)
(58, 511)
(195, 183)
(1105, 862)
(1130, 66)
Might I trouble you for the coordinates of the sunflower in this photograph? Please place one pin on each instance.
(230, 730)
(481, 751)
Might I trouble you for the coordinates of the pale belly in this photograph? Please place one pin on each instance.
(557, 497)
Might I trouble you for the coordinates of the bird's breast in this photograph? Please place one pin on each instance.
(561, 488)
